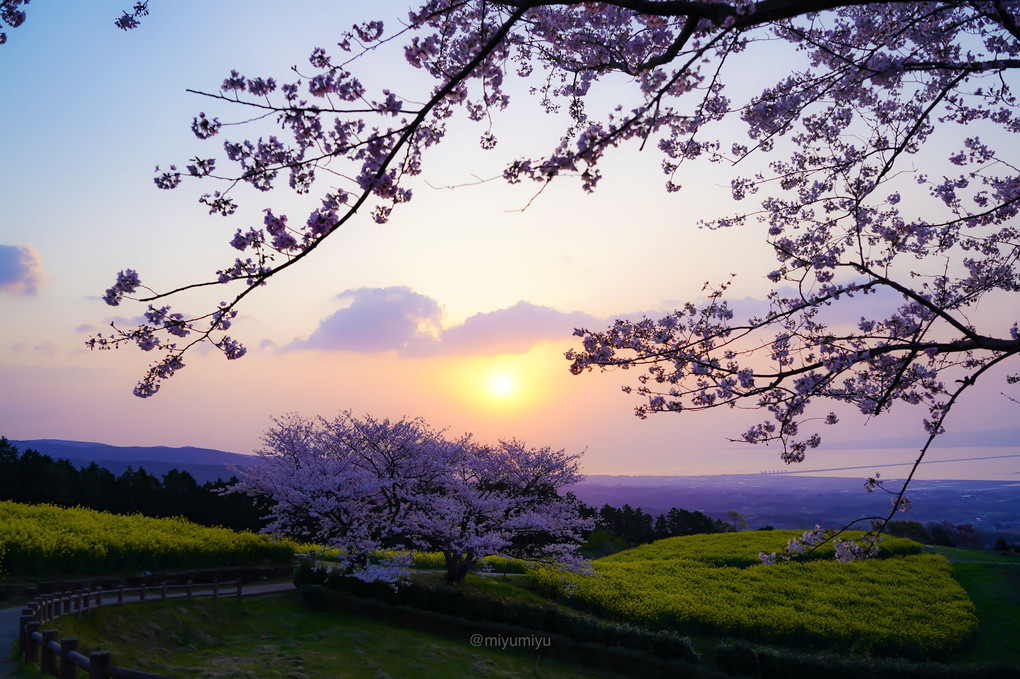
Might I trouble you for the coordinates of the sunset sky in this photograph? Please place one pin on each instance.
(458, 310)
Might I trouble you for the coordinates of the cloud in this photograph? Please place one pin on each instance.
(514, 330)
(376, 320)
(399, 319)
(21, 271)
(45, 349)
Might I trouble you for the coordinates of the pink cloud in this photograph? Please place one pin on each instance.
(21, 271)
(396, 318)
(375, 320)
(402, 320)
(513, 330)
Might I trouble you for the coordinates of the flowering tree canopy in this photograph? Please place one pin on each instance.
(363, 486)
(881, 166)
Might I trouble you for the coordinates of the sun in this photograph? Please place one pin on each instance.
(499, 385)
(502, 385)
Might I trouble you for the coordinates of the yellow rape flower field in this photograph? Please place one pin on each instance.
(902, 603)
(45, 540)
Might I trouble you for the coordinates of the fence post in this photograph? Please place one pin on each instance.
(99, 664)
(23, 630)
(215, 589)
(190, 586)
(48, 659)
(120, 594)
(99, 596)
(31, 645)
(238, 588)
(86, 599)
(163, 593)
(68, 670)
(141, 595)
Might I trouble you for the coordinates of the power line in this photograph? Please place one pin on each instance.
(887, 464)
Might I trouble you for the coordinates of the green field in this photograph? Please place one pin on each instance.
(279, 638)
(993, 583)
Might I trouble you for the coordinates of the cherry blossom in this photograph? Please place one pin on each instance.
(364, 485)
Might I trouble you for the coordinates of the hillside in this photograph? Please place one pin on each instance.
(205, 464)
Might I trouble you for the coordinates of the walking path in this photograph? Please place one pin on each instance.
(9, 616)
(8, 638)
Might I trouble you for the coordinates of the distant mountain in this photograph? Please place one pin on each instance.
(101, 451)
(205, 464)
(795, 501)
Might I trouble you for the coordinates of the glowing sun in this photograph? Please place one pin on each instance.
(501, 385)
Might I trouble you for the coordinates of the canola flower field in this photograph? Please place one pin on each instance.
(901, 603)
(43, 540)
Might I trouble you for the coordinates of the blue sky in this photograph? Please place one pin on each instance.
(462, 291)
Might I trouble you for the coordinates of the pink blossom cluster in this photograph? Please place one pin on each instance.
(158, 326)
(865, 546)
(363, 486)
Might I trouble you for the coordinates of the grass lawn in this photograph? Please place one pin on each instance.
(279, 638)
(993, 582)
(955, 554)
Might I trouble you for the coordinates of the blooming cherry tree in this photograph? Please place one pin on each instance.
(880, 166)
(364, 486)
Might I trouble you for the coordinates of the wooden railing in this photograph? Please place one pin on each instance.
(60, 657)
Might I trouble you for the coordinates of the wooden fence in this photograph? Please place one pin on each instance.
(60, 657)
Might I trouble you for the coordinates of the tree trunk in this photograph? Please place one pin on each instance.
(457, 567)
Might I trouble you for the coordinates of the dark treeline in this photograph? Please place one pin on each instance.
(619, 528)
(33, 478)
(941, 533)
